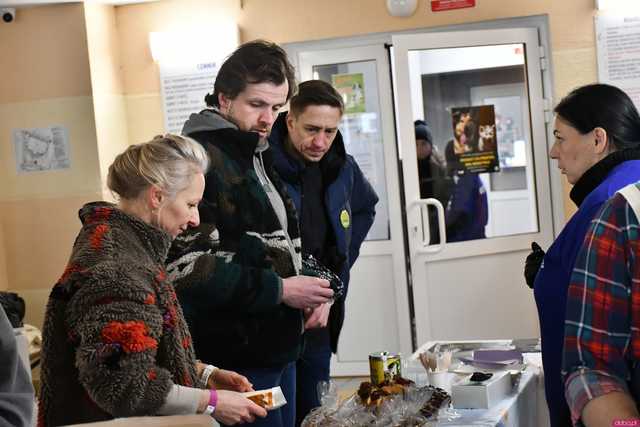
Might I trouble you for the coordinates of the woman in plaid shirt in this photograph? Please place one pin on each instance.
(602, 329)
(597, 141)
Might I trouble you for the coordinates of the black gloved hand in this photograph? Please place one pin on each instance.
(532, 264)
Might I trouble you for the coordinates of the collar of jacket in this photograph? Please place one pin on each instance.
(290, 168)
(232, 139)
(103, 213)
(598, 172)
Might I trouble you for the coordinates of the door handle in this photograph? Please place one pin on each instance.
(425, 247)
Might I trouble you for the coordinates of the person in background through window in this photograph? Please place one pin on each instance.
(467, 211)
(432, 174)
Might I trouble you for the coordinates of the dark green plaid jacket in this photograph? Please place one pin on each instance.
(228, 271)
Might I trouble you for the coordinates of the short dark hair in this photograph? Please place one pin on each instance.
(605, 106)
(315, 92)
(258, 61)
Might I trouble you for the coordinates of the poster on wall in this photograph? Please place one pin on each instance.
(617, 41)
(474, 144)
(351, 88)
(41, 149)
(183, 88)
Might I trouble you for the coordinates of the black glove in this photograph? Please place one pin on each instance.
(532, 264)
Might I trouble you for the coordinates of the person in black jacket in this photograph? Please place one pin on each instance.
(238, 274)
(336, 205)
(432, 175)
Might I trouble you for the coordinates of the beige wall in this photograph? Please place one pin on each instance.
(571, 22)
(46, 48)
(107, 89)
(4, 280)
(140, 74)
(48, 83)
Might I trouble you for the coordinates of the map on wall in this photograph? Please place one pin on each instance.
(41, 149)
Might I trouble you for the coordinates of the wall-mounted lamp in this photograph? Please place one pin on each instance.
(402, 8)
(621, 5)
(175, 47)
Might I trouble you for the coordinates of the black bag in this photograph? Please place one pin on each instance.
(312, 267)
(13, 305)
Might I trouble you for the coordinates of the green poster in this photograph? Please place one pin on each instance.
(351, 88)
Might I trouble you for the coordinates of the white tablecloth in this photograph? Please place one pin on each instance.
(525, 407)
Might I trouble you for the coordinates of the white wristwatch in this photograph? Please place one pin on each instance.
(206, 373)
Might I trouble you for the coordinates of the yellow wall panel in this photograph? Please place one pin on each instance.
(144, 114)
(103, 47)
(44, 54)
(320, 19)
(38, 236)
(4, 279)
(111, 131)
(106, 78)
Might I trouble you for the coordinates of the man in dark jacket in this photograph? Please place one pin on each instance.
(432, 175)
(336, 205)
(237, 275)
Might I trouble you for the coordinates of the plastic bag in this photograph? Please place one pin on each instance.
(415, 406)
(313, 267)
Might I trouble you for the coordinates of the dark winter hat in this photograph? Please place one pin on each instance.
(423, 131)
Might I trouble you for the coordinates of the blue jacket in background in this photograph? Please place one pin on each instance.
(467, 212)
(552, 283)
(347, 190)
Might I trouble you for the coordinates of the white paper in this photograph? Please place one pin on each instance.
(618, 47)
(41, 149)
(276, 393)
(183, 88)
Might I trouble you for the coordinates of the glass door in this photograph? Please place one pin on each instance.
(479, 93)
(377, 315)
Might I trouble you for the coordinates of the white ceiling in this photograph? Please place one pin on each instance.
(20, 3)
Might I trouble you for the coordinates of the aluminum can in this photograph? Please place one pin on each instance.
(384, 367)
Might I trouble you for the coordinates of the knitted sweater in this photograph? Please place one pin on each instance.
(228, 271)
(114, 338)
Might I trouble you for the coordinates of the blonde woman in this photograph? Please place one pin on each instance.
(115, 340)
